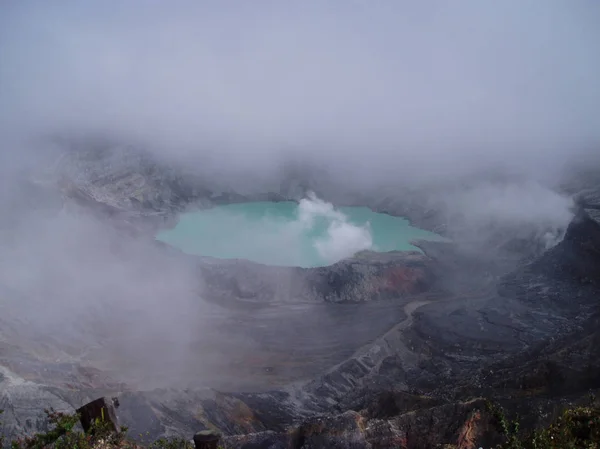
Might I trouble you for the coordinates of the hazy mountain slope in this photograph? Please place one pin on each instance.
(318, 341)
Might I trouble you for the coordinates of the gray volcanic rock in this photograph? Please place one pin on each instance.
(583, 182)
(34, 386)
(380, 350)
(531, 379)
(125, 178)
(366, 277)
(275, 334)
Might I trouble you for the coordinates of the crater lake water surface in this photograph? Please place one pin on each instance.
(306, 234)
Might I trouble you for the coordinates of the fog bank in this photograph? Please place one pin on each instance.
(417, 90)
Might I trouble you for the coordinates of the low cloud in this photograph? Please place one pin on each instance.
(380, 90)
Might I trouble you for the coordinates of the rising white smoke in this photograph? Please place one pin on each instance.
(309, 209)
(343, 239)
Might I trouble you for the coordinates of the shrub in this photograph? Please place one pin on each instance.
(576, 428)
(63, 436)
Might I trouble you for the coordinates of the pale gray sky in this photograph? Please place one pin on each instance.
(399, 82)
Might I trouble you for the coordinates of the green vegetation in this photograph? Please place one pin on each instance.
(63, 435)
(576, 428)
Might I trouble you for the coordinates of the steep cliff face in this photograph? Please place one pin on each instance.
(576, 257)
(567, 275)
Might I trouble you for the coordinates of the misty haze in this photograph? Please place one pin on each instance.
(302, 224)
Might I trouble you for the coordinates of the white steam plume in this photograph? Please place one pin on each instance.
(343, 239)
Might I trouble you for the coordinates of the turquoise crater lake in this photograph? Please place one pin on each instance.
(309, 233)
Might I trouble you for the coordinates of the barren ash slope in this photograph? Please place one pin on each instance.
(355, 353)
